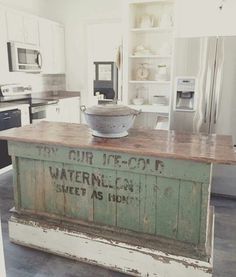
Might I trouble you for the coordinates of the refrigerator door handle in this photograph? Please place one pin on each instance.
(215, 113)
(205, 113)
(209, 87)
(218, 78)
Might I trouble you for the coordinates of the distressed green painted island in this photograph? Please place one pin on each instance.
(138, 204)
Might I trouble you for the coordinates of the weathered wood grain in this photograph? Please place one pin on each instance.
(148, 204)
(127, 202)
(154, 196)
(189, 212)
(104, 208)
(167, 206)
(165, 144)
(157, 166)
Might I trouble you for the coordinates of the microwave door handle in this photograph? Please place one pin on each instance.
(39, 60)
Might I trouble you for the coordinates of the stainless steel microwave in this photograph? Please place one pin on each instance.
(24, 57)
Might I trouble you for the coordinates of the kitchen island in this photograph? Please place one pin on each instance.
(138, 204)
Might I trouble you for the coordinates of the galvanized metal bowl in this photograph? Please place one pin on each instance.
(109, 120)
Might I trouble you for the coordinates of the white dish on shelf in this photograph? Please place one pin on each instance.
(159, 100)
(138, 101)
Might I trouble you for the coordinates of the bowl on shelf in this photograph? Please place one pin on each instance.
(138, 101)
(159, 100)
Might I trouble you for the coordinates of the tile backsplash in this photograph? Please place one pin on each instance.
(39, 82)
(54, 82)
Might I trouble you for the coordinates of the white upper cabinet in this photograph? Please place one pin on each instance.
(22, 28)
(31, 30)
(52, 46)
(15, 27)
(46, 45)
(205, 18)
(59, 48)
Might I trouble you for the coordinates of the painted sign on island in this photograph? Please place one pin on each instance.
(145, 194)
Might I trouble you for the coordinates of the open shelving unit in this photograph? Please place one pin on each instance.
(148, 42)
(150, 56)
(162, 109)
(149, 82)
(152, 29)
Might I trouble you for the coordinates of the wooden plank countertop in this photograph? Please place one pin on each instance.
(156, 143)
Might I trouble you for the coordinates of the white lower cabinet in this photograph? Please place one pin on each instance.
(67, 110)
(25, 117)
(70, 110)
(53, 113)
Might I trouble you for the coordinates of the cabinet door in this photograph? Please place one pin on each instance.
(15, 27)
(59, 48)
(70, 110)
(31, 30)
(53, 113)
(25, 117)
(46, 45)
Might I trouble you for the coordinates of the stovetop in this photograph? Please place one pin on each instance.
(35, 102)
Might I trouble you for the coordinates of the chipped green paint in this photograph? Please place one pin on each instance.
(163, 197)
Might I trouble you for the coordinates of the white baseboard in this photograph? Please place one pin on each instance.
(112, 254)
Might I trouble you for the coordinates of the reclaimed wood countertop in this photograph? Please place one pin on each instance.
(156, 143)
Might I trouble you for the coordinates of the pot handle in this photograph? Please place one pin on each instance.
(83, 108)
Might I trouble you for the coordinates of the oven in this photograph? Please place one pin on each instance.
(8, 119)
(24, 57)
(42, 109)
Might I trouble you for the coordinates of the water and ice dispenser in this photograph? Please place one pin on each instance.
(185, 94)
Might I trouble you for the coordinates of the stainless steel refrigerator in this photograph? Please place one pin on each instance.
(204, 95)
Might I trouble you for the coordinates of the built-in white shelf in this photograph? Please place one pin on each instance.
(163, 109)
(152, 29)
(151, 1)
(150, 56)
(149, 82)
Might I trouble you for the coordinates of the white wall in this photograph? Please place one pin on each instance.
(99, 50)
(204, 18)
(76, 15)
(36, 7)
